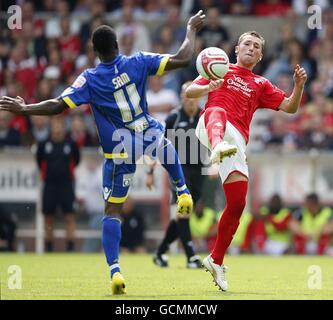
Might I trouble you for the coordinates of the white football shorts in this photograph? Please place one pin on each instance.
(233, 136)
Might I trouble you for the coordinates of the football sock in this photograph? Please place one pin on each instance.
(235, 194)
(111, 235)
(49, 246)
(170, 236)
(170, 161)
(215, 123)
(186, 237)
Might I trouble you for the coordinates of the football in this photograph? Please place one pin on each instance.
(212, 63)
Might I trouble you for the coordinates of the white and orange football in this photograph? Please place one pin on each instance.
(212, 63)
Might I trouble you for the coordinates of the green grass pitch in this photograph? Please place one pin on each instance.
(85, 276)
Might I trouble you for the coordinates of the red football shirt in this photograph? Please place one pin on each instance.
(241, 94)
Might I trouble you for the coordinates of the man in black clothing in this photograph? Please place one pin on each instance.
(185, 119)
(213, 34)
(132, 228)
(8, 136)
(7, 231)
(57, 158)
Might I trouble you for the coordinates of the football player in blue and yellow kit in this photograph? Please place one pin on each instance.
(116, 92)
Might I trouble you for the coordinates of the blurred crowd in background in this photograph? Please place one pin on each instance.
(43, 58)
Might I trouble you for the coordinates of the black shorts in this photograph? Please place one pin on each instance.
(57, 196)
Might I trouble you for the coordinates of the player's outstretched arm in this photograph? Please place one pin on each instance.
(184, 55)
(196, 90)
(291, 104)
(44, 108)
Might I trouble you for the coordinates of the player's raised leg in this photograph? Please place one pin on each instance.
(215, 123)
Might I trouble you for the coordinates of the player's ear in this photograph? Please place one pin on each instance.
(261, 55)
(236, 49)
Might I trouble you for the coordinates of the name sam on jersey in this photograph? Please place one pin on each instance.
(121, 80)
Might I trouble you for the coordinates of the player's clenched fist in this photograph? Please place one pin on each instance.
(215, 84)
(300, 76)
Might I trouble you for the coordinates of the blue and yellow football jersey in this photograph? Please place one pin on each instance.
(116, 92)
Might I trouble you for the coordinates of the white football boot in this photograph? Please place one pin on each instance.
(218, 272)
(222, 150)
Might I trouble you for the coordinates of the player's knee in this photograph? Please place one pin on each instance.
(216, 113)
(113, 209)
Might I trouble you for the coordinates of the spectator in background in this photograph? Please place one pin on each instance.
(270, 228)
(53, 25)
(28, 10)
(90, 200)
(23, 69)
(141, 34)
(18, 122)
(313, 133)
(69, 45)
(312, 227)
(79, 133)
(204, 5)
(174, 22)
(40, 128)
(8, 136)
(323, 51)
(295, 54)
(156, 9)
(44, 90)
(40, 41)
(237, 7)
(57, 158)
(53, 75)
(7, 231)
(324, 33)
(213, 34)
(300, 7)
(201, 225)
(97, 11)
(86, 60)
(271, 8)
(286, 34)
(160, 101)
(315, 119)
(132, 228)
(241, 243)
(278, 132)
(136, 8)
(169, 43)
(126, 42)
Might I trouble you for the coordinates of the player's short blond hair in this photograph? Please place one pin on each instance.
(252, 33)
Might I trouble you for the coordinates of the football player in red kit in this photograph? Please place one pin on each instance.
(224, 128)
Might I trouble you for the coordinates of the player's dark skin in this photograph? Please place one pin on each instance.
(55, 106)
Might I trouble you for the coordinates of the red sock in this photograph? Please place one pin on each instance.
(299, 244)
(215, 123)
(323, 243)
(235, 194)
